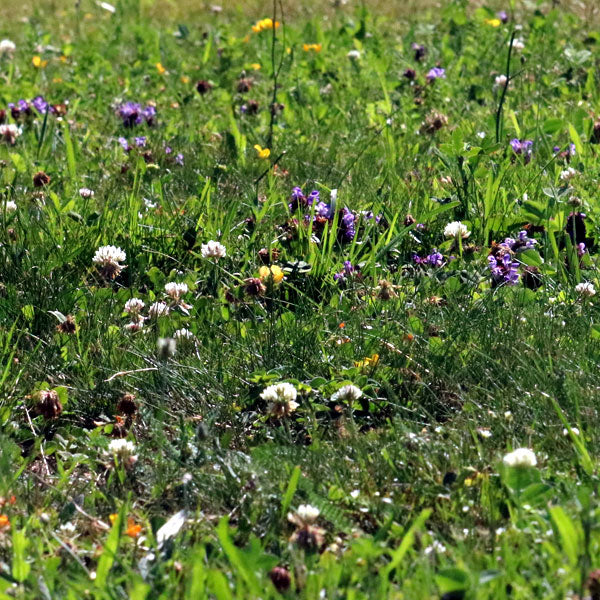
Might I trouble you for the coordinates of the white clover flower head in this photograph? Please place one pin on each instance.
(135, 325)
(213, 249)
(353, 54)
(108, 259)
(10, 206)
(68, 528)
(123, 450)
(585, 289)
(347, 393)
(282, 398)
(456, 229)
(176, 290)
(134, 306)
(521, 457)
(86, 193)
(500, 81)
(568, 174)
(518, 44)
(7, 47)
(158, 309)
(308, 513)
(9, 133)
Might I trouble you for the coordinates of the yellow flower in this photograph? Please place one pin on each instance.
(113, 517)
(185, 79)
(493, 22)
(4, 522)
(262, 152)
(255, 66)
(63, 59)
(133, 530)
(273, 272)
(264, 24)
(38, 63)
(161, 70)
(369, 361)
(313, 47)
(57, 80)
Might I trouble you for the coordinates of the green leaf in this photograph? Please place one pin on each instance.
(291, 490)
(107, 558)
(20, 566)
(452, 580)
(568, 534)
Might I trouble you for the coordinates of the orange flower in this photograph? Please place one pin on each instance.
(313, 47)
(4, 522)
(264, 24)
(133, 529)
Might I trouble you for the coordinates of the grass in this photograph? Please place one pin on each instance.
(145, 455)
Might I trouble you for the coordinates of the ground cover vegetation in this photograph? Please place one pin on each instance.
(299, 305)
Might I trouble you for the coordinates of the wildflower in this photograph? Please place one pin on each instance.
(123, 451)
(347, 393)
(184, 336)
(158, 309)
(213, 249)
(140, 141)
(262, 152)
(133, 114)
(134, 306)
(410, 74)
(346, 272)
(307, 513)
(307, 535)
(161, 70)
(521, 457)
(273, 273)
(502, 15)
(500, 81)
(434, 121)
(7, 47)
(518, 44)
(282, 398)
(420, 51)
(108, 258)
(312, 47)
(135, 325)
(435, 73)
(456, 229)
(369, 361)
(40, 105)
(573, 430)
(568, 174)
(124, 144)
(503, 271)
(38, 63)
(86, 193)
(4, 522)
(10, 206)
(133, 530)
(281, 579)
(522, 147)
(254, 286)
(353, 54)
(179, 159)
(176, 290)
(493, 22)
(40, 179)
(48, 404)
(264, 25)
(244, 85)
(585, 289)
(9, 133)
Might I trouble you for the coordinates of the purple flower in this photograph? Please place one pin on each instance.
(523, 147)
(313, 197)
(435, 259)
(346, 272)
(580, 249)
(502, 15)
(420, 51)
(347, 225)
(323, 210)
(168, 149)
(504, 271)
(124, 144)
(179, 159)
(149, 113)
(556, 149)
(436, 73)
(130, 113)
(40, 104)
(140, 142)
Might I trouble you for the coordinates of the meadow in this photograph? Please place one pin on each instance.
(299, 300)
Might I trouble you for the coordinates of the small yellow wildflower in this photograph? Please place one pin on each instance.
(112, 518)
(185, 79)
(273, 272)
(264, 24)
(38, 63)
(63, 59)
(369, 361)
(313, 47)
(493, 22)
(262, 152)
(161, 70)
(4, 522)
(255, 66)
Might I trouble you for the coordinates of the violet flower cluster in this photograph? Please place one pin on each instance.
(503, 267)
(346, 272)
(522, 147)
(435, 259)
(23, 110)
(133, 114)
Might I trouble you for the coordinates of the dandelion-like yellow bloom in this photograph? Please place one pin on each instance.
(273, 272)
(255, 66)
(369, 361)
(38, 63)
(312, 47)
(493, 22)
(161, 70)
(262, 152)
(185, 79)
(4, 522)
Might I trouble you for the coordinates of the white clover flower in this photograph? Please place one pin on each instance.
(481, 135)
(9, 133)
(86, 193)
(282, 398)
(500, 81)
(308, 513)
(484, 432)
(456, 229)
(7, 47)
(176, 290)
(521, 457)
(123, 450)
(10, 206)
(574, 430)
(518, 44)
(568, 174)
(134, 306)
(108, 259)
(348, 393)
(213, 249)
(68, 528)
(585, 289)
(135, 325)
(353, 54)
(435, 548)
(158, 309)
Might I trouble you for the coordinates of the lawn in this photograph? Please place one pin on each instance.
(299, 301)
